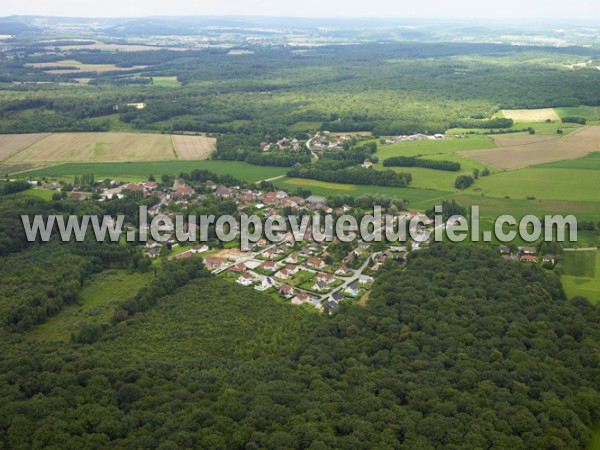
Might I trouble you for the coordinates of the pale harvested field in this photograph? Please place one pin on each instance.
(513, 141)
(77, 67)
(93, 69)
(575, 145)
(193, 147)
(97, 147)
(11, 144)
(530, 115)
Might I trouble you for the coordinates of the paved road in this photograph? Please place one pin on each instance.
(310, 149)
(349, 280)
(588, 249)
(271, 179)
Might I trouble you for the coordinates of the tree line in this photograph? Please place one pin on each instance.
(411, 161)
(350, 175)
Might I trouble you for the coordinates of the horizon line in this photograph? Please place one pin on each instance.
(334, 18)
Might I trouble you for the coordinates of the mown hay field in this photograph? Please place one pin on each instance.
(193, 147)
(512, 140)
(575, 145)
(11, 144)
(530, 115)
(96, 147)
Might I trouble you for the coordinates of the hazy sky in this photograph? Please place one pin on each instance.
(466, 9)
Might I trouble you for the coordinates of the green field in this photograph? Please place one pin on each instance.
(165, 82)
(581, 276)
(413, 195)
(311, 127)
(97, 302)
(589, 113)
(241, 170)
(44, 194)
(438, 179)
(433, 147)
(588, 162)
(494, 207)
(556, 184)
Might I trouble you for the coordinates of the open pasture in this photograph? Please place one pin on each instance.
(530, 115)
(90, 147)
(97, 302)
(11, 144)
(166, 82)
(589, 113)
(434, 147)
(588, 162)
(124, 170)
(581, 274)
(575, 145)
(551, 184)
(193, 147)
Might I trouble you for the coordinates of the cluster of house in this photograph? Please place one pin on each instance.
(116, 189)
(415, 137)
(332, 142)
(320, 284)
(281, 144)
(526, 254)
(320, 288)
(300, 271)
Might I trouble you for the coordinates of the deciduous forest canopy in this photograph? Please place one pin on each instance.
(460, 350)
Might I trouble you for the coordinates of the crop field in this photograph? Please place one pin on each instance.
(514, 140)
(413, 195)
(193, 147)
(581, 276)
(555, 184)
(240, 170)
(96, 303)
(530, 115)
(575, 145)
(10, 144)
(431, 147)
(89, 147)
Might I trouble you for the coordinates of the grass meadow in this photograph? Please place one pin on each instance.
(581, 274)
(431, 147)
(97, 301)
(547, 183)
(240, 170)
(588, 162)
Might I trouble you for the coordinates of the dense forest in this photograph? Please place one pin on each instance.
(289, 90)
(461, 349)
